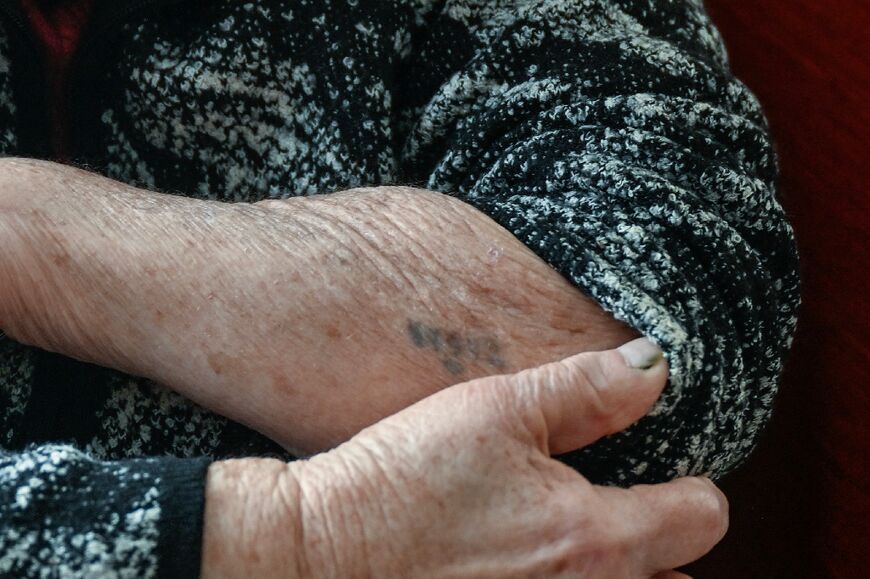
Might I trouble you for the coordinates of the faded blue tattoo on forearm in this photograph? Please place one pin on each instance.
(454, 350)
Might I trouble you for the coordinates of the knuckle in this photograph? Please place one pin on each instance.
(598, 554)
(494, 388)
(519, 409)
(598, 397)
(592, 542)
(621, 538)
(592, 528)
(497, 395)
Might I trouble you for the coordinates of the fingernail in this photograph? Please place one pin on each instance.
(641, 354)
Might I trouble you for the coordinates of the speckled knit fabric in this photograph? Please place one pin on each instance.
(607, 135)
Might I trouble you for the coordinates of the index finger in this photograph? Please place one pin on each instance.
(671, 524)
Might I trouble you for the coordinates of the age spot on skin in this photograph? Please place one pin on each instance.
(455, 350)
(216, 363)
(61, 260)
(333, 332)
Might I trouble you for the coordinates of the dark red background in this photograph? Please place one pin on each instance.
(801, 506)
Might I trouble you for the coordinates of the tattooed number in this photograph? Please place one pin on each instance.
(455, 350)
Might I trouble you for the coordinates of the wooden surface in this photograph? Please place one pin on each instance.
(801, 506)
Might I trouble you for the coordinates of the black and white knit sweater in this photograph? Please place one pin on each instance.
(607, 135)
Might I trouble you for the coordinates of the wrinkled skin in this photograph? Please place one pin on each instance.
(310, 319)
(461, 484)
(306, 319)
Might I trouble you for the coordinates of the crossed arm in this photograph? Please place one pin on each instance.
(312, 318)
(624, 155)
(306, 319)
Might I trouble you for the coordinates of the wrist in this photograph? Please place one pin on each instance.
(267, 518)
(254, 520)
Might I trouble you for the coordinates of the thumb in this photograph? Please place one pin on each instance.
(578, 400)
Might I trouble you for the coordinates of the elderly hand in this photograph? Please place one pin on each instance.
(306, 319)
(461, 484)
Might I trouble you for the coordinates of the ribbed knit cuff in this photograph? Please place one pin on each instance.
(182, 489)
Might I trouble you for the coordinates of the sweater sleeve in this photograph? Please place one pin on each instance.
(610, 137)
(61, 510)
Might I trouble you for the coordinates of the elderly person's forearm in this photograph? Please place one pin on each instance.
(307, 319)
